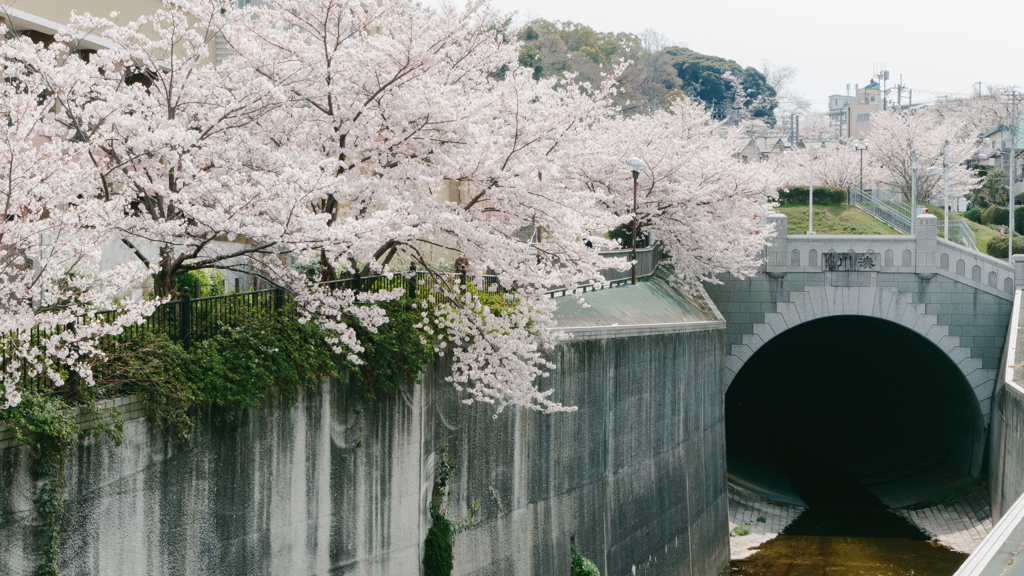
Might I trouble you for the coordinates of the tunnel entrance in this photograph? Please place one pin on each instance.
(851, 402)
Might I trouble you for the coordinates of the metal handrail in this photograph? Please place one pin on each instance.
(886, 207)
(961, 233)
(883, 206)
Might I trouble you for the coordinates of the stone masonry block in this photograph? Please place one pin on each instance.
(753, 341)
(979, 377)
(834, 301)
(818, 301)
(959, 354)
(882, 302)
(984, 391)
(970, 365)
(742, 351)
(866, 300)
(804, 305)
(789, 312)
(924, 323)
(948, 343)
(910, 315)
(733, 363)
(764, 332)
(776, 321)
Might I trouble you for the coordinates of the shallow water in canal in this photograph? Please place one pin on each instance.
(841, 541)
(846, 531)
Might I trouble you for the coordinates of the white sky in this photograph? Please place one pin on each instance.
(939, 46)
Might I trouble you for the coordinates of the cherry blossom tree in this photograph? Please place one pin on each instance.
(49, 243)
(363, 135)
(707, 208)
(895, 135)
(834, 165)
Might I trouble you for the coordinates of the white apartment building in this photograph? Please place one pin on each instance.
(858, 115)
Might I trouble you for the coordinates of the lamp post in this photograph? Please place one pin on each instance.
(637, 165)
(935, 171)
(861, 146)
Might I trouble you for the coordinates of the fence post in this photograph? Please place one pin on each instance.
(357, 282)
(238, 285)
(185, 320)
(463, 277)
(198, 290)
(278, 299)
(410, 287)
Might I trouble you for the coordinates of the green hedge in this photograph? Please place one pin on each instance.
(823, 195)
(997, 215)
(999, 247)
(1000, 216)
(974, 215)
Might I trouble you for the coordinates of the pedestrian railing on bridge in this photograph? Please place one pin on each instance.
(886, 207)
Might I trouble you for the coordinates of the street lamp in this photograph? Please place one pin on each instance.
(861, 146)
(637, 165)
(935, 171)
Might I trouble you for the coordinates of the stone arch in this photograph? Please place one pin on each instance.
(883, 302)
(992, 277)
(794, 257)
(812, 257)
(944, 261)
(961, 268)
(976, 273)
(1008, 285)
(888, 259)
(907, 259)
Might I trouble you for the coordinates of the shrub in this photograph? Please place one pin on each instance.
(438, 557)
(582, 566)
(438, 548)
(997, 215)
(999, 247)
(974, 215)
(211, 282)
(740, 530)
(823, 195)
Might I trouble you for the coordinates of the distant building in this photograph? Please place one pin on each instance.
(837, 105)
(758, 148)
(858, 114)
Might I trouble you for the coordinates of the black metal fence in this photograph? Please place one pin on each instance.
(195, 318)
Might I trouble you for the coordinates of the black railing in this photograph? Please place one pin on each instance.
(192, 319)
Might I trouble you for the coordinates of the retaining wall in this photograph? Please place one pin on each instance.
(1006, 468)
(636, 477)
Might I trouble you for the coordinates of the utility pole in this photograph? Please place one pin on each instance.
(810, 196)
(913, 190)
(1014, 121)
(945, 186)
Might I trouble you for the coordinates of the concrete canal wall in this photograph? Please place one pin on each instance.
(1006, 469)
(635, 477)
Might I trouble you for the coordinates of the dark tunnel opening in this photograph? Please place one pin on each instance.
(850, 411)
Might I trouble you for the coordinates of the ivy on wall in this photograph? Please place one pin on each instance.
(439, 546)
(232, 368)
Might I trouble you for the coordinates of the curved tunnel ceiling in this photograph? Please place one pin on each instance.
(851, 400)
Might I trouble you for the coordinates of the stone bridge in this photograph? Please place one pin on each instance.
(907, 332)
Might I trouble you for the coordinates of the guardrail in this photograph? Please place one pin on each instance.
(647, 261)
(883, 206)
(961, 233)
(886, 207)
